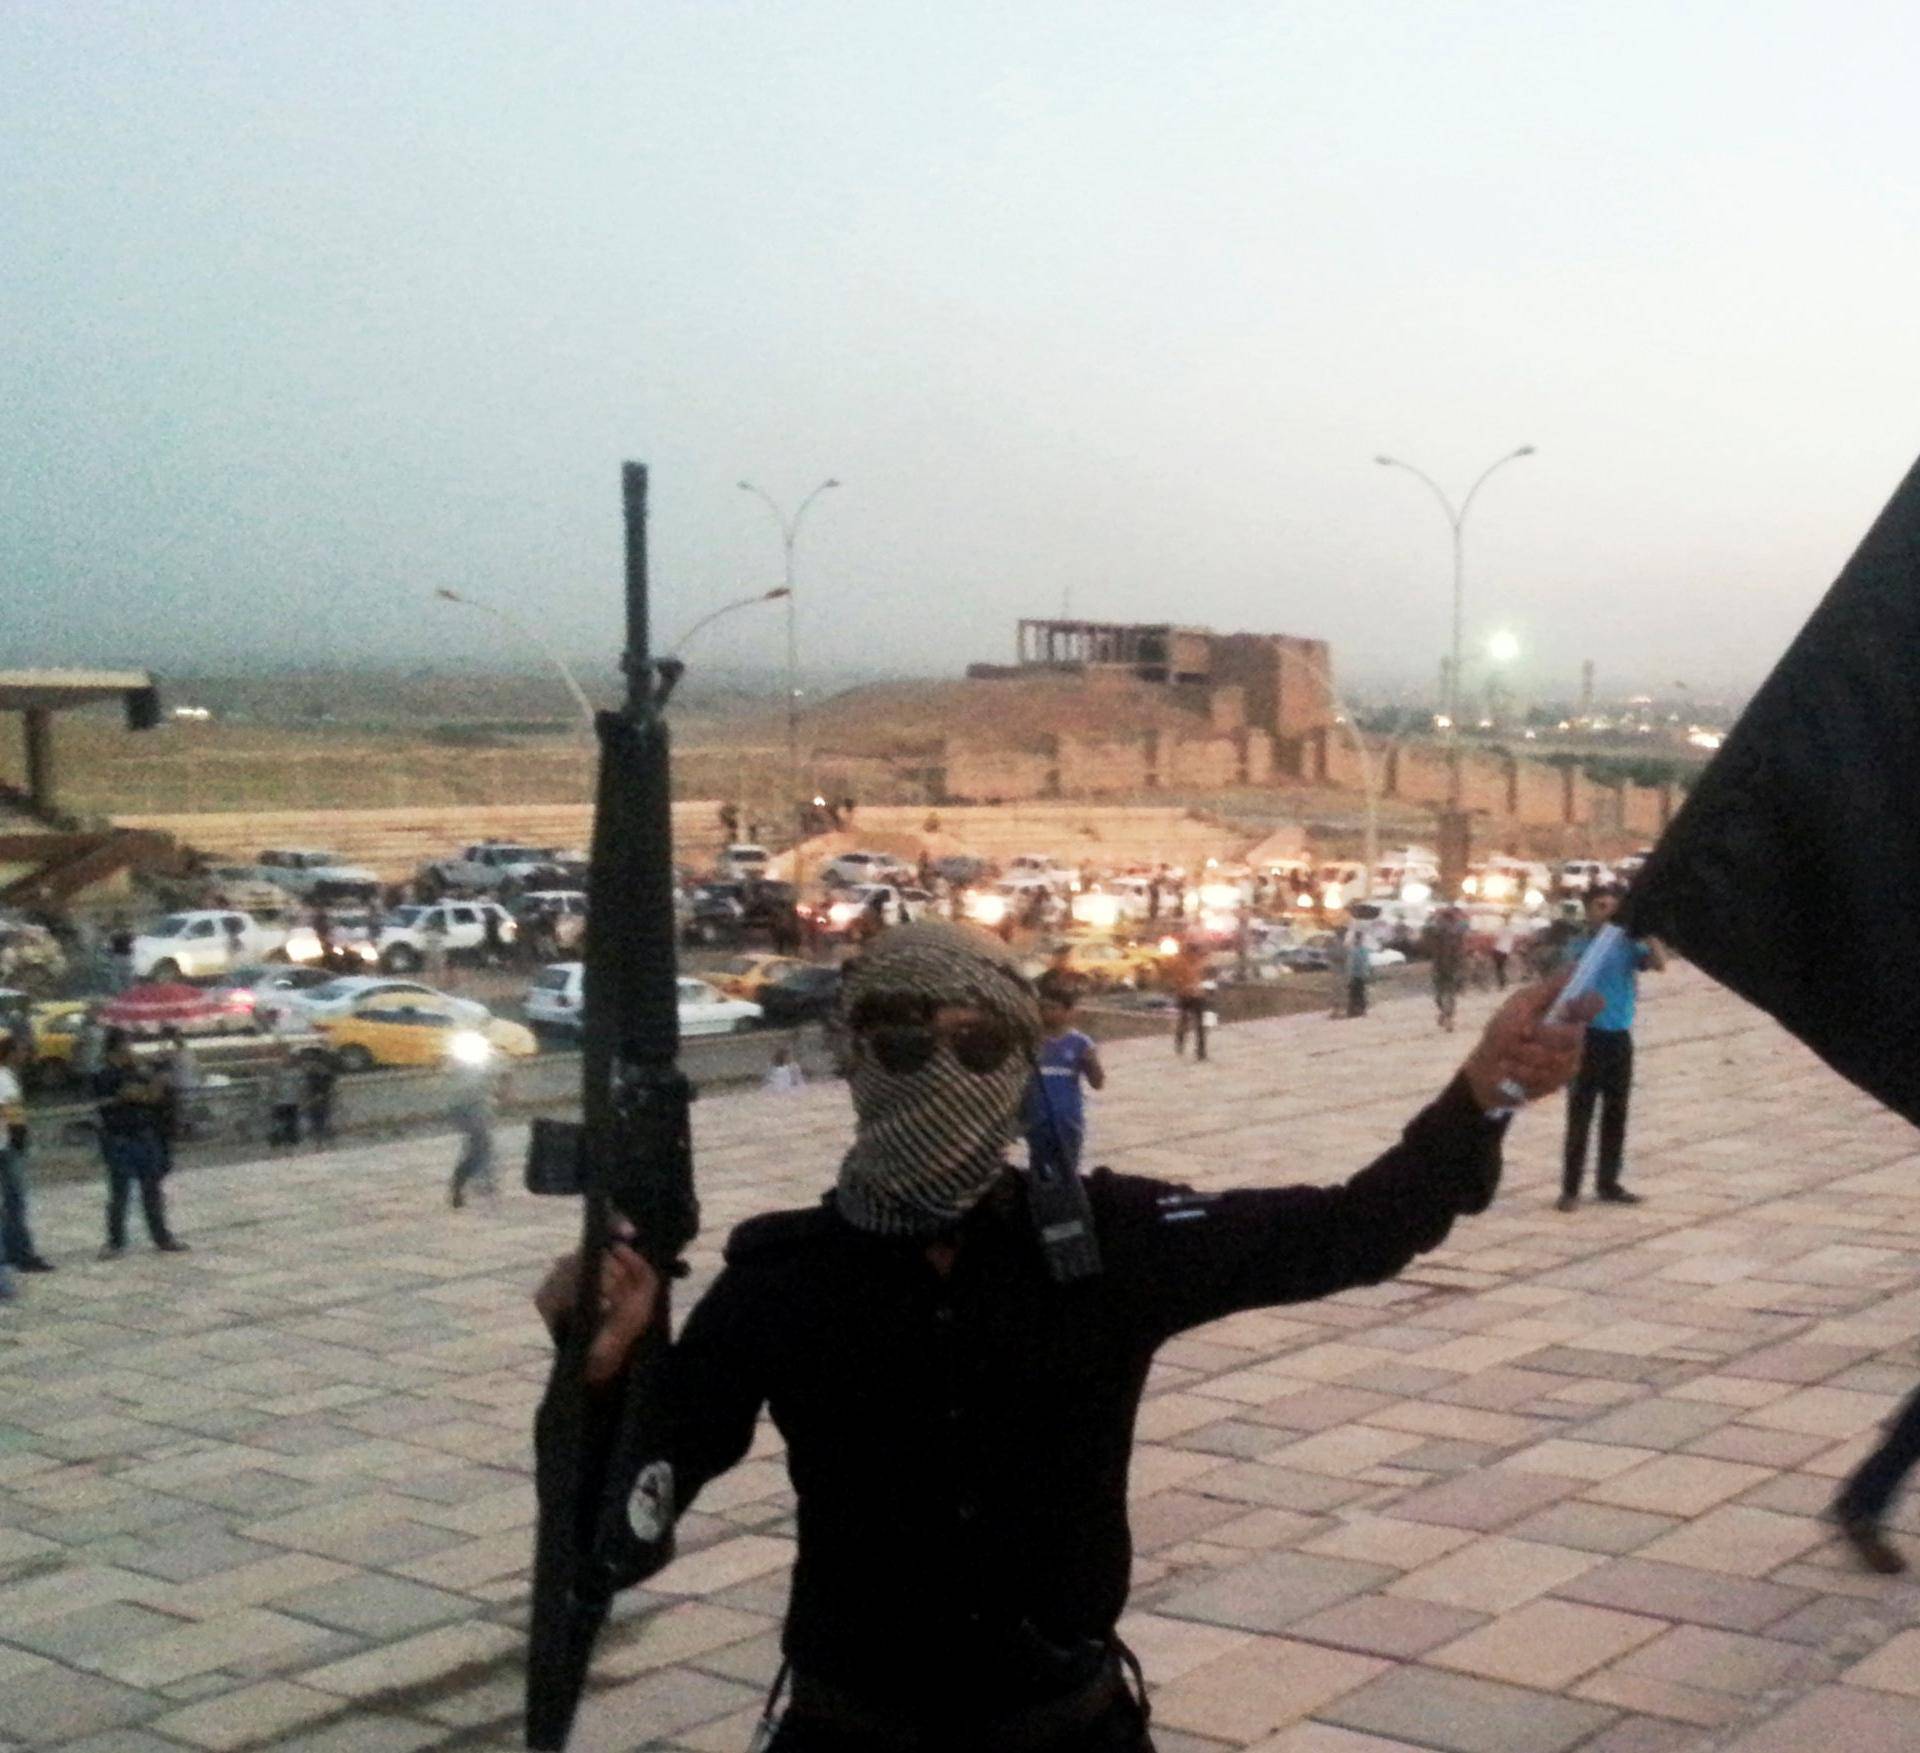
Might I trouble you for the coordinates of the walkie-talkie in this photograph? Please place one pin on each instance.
(1057, 1197)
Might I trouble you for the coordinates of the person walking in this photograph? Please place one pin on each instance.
(1605, 1077)
(959, 1422)
(1504, 938)
(1448, 948)
(1055, 1115)
(16, 1234)
(130, 1099)
(473, 1110)
(1187, 980)
(1863, 1500)
(181, 1069)
(120, 954)
(286, 1090)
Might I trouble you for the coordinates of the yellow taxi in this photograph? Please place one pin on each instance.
(745, 976)
(1102, 961)
(410, 1029)
(52, 1028)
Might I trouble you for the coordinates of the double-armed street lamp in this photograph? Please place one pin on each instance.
(789, 536)
(1457, 521)
(530, 636)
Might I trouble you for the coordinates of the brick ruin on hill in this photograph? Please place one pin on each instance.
(1093, 709)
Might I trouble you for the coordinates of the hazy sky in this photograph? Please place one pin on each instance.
(311, 307)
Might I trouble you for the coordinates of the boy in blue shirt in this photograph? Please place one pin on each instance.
(1606, 1064)
(1055, 1116)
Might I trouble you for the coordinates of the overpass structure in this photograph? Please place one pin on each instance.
(54, 857)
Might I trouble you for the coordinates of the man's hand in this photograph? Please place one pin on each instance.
(1520, 1047)
(629, 1293)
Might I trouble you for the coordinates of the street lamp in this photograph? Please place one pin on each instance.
(1457, 521)
(526, 633)
(759, 596)
(789, 535)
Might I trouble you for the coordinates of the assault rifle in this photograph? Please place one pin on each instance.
(605, 1488)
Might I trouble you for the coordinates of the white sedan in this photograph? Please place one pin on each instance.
(338, 998)
(555, 1001)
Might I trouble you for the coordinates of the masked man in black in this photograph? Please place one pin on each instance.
(959, 1421)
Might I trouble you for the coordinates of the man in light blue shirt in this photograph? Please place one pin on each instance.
(1606, 1066)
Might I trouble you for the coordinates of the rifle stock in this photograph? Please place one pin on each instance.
(606, 1496)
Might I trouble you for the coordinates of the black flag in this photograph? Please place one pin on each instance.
(1789, 873)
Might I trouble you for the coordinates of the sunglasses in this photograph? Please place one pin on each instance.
(901, 1032)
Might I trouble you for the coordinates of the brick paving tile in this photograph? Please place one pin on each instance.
(1894, 1667)
(1679, 1485)
(1732, 1538)
(1386, 1625)
(1593, 1527)
(1548, 1644)
(1485, 1501)
(250, 1716)
(1325, 1738)
(1459, 1714)
(1494, 1574)
(1269, 1592)
(1268, 1682)
(1671, 1591)
(1847, 1719)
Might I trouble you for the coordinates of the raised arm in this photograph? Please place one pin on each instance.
(1193, 1257)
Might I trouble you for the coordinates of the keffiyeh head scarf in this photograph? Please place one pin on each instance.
(928, 1143)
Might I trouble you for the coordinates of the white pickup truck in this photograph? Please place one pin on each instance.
(408, 935)
(485, 866)
(209, 941)
(305, 871)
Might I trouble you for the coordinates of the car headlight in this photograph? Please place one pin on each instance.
(469, 1047)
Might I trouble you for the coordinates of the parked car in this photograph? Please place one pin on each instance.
(747, 976)
(1509, 882)
(407, 932)
(306, 872)
(1040, 866)
(347, 992)
(253, 994)
(1581, 876)
(350, 937)
(190, 945)
(1101, 962)
(850, 869)
(556, 1000)
(808, 995)
(742, 860)
(897, 906)
(565, 908)
(406, 1029)
(715, 915)
(484, 866)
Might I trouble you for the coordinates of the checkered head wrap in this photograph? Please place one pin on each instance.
(929, 1143)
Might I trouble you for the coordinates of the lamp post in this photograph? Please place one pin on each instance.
(789, 535)
(522, 631)
(1457, 521)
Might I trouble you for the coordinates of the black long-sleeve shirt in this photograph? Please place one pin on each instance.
(959, 1444)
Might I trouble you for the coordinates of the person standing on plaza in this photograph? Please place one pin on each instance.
(1605, 1077)
(286, 1089)
(433, 933)
(131, 1100)
(16, 1234)
(1186, 978)
(1055, 1115)
(120, 953)
(959, 1422)
(318, 1079)
(1359, 971)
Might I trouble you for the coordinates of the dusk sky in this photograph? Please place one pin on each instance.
(313, 308)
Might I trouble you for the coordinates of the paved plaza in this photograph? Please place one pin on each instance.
(1558, 1487)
